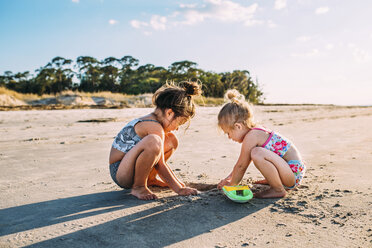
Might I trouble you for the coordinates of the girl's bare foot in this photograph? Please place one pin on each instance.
(264, 181)
(143, 193)
(156, 182)
(271, 193)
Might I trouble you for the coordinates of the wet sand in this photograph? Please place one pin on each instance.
(56, 191)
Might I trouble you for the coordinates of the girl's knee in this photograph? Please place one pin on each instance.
(153, 143)
(171, 141)
(257, 153)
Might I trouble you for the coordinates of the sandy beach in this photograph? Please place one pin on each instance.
(56, 190)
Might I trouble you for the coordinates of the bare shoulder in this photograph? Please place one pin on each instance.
(251, 138)
(145, 128)
(259, 135)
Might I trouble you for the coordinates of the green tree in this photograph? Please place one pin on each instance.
(44, 81)
(127, 73)
(8, 80)
(212, 85)
(24, 83)
(126, 76)
(63, 74)
(110, 74)
(90, 73)
(146, 79)
(242, 81)
(183, 70)
(54, 77)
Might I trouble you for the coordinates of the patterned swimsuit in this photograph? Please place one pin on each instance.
(280, 145)
(127, 138)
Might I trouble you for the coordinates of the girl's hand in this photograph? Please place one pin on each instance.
(187, 191)
(224, 182)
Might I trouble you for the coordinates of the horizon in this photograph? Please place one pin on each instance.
(301, 52)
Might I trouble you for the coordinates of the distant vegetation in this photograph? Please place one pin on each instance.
(125, 76)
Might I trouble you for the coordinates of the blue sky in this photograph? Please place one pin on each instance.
(301, 51)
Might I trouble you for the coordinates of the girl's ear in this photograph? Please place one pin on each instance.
(238, 126)
(169, 113)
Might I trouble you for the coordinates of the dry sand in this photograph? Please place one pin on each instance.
(56, 191)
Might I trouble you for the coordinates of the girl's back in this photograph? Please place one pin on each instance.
(276, 142)
(134, 131)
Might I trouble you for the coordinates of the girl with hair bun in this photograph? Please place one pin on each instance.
(275, 156)
(140, 150)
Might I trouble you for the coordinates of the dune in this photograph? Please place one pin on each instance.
(6, 100)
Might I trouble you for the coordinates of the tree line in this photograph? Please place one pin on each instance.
(126, 76)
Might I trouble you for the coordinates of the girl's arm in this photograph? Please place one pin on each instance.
(164, 171)
(241, 165)
(229, 176)
(167, 175)
(174, 175)
(244, 160)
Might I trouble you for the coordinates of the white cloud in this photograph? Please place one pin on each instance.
(313, 53)
(359, 55)
(303, 38)
(321, 10)
(351, 45)
(329, 46)
(158, 22)
(250, 23)
(75, 1)
(138, 24)
(113, 22)
(220, 10)
(188, 5)
(192, 17)
(271, 24)
(192, 14)
(280, 4)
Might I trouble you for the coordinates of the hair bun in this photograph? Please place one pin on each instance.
(234, 96)
(191, 88)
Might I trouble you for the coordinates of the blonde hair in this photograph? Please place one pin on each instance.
(178, 97)
(238, 110)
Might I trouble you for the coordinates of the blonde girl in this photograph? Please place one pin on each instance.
(275, 156)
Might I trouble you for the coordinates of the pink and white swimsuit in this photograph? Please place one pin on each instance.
(276, 143)
(280, 145)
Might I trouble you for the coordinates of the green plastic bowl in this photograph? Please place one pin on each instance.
(240, 194)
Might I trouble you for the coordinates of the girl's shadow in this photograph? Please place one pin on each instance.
(171, 220)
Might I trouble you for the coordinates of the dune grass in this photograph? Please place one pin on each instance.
(208, 101)
(200, 100)
(20, 96)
